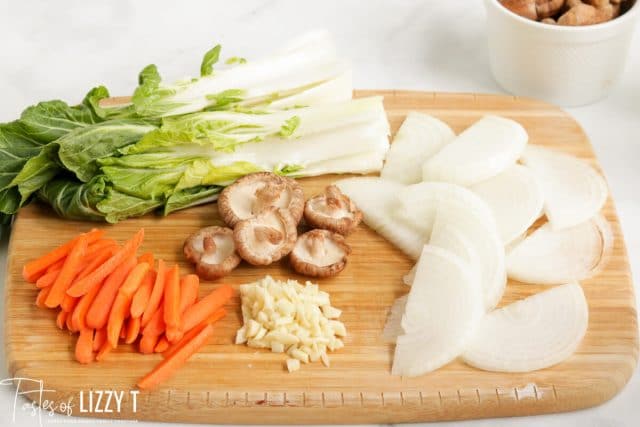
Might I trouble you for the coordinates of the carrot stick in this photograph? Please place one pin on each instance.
(122, 303)
(148, 343)
(67, 323)
(78, 318)
(98, 313)
(156, 293)
(162, 345)
(69, 303)
(48, 278)
(57, 265)
(61, 319)
(123, 332)
(168, 367)
(98, 245)
(189, 285)
(99, 338)
(82, 286)
(133, 329)
(142, 295)
(147, 257)
(70, 269)
(34, 269)
(104, 350)
(42, 296)
(204, 308)
(156, 326)
(96, 260)
(172, 304)
(188, 336)
(84, 346)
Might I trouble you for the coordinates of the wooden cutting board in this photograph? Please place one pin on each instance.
(227, 383)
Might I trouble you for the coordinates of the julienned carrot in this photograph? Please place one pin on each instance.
(34, 269)
(78, 318)
(99, 245)
(48, 278)
(42, 296)
(82, 286)
(147, 257)
(56, 265)
(133, 329)
(69, 303)
(156, 293)
(95, 260)
(172, 304)
(141, 297)
(84, 346)
(188, 336)
(104, 350)
(99, 338)
(61, 319)
(122, 303)
(162, 345)
(148, 343)
(156, 326)
(204, 308)
(70, 269)
(98, 313)
(165, 369)
(189, 286)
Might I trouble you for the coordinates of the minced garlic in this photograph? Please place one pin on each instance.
(287, 317)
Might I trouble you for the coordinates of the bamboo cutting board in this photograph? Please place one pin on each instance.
(227, 383)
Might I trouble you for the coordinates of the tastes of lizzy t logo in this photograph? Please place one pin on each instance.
(94, 401)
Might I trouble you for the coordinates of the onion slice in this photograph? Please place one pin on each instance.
(573, 190)
(377, 199)
(442, 310)
(515, 198)
(530, 334)
(552, 257)
(482, 151)
(393, 326)
(419, 138)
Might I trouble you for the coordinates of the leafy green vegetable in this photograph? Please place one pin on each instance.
(37, 171)
(209, 60)
(72, 199)
(117, 206)
(191, 197)
(235, 60)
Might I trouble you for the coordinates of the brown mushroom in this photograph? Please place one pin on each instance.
(253, 193)
(266, 237)
(213, 251)
(332, 211)
(320, 253)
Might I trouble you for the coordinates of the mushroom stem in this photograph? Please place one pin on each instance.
(334, 198)
(315, 244)
(264, 233)
(209, 244)
(266, 196)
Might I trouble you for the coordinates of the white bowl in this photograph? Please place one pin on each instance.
(568, 66)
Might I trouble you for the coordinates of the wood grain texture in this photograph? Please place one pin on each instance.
(227, 383)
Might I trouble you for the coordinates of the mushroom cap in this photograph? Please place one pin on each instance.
(320, 253)
(266, 237)
(213, 251)
(253, 193)
(332, 211)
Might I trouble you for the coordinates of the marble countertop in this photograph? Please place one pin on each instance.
(60, 49)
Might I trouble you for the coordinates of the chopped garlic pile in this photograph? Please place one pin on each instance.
(288, 317)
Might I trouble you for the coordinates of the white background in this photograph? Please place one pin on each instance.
(60, 49)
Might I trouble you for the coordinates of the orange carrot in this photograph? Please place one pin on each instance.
(57, 265)
(123, 332)
(48, 278)
(172, 304)
(162, 345)
(217, 315)
(165, 369)
(156, 293)
(99, 338)
(70, 269)
(122, 303)
(133, 329)
(141, 297)
(98, 245)
(156, 326)
(42, 296)
(98, 313)
(104, 350)
(82, 286)
(78, 318)
(67, 323)
(69, 303)
(61, 319)
(147, 257)
(94, 261)
(34, 269)
(84, 346)
(148, 343)
(204, 308)
(189, 286)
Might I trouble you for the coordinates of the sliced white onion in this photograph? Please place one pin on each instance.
(442, 310)
(419, 138)
(377, 199)
(461, 209)
(393, 326)
(573, 190)
(515, 199)
(551, 257)
(408, 278)
(534, 333)
(482, 151)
